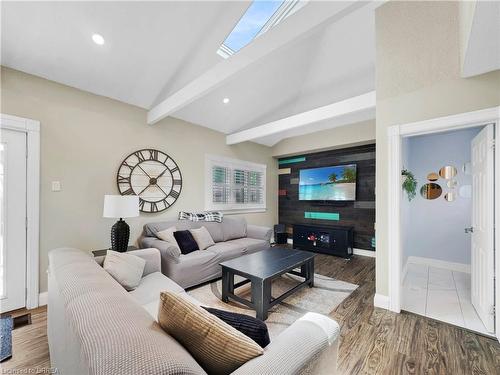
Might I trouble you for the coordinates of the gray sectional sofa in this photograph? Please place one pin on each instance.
(233, 238)
(96, 327)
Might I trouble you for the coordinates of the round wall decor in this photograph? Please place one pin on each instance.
(448, 172)
(433, 176)
(431, 191)
(153, 176)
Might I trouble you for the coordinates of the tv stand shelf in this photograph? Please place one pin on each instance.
(332, 240)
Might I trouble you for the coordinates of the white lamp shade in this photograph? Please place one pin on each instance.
(120, 206)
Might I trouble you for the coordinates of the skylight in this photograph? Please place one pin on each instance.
(261, 16)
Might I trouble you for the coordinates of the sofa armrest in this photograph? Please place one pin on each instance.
(169, 253)
(259, 232)
(309, 345)
(152, 258)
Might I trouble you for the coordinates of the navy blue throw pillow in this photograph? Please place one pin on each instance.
(252, 327)
(186, 241)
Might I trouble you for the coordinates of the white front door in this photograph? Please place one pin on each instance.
(482, 257)
(12, 220)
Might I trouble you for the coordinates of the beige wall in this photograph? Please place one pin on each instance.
(344, 136)
(84, 137)
(418, 78)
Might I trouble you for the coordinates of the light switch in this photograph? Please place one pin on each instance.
(56, 185)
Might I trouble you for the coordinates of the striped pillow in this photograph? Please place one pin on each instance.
(215, 345)
(209, 216)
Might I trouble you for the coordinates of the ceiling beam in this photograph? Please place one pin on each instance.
(305, 22)
(341, 109)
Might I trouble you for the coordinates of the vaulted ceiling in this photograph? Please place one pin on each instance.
(165, 52)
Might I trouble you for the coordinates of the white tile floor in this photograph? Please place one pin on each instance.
(440, 294)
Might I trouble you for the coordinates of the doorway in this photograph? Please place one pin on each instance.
(19, 211)
(397, 136)
(437, 227)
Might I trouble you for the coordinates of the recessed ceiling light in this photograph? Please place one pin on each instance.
(98, 39)
(225, 100)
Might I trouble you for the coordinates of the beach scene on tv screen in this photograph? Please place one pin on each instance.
(336, 183)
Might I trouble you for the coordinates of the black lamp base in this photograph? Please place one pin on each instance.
(120, 234)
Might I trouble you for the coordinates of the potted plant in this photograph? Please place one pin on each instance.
(409, 184)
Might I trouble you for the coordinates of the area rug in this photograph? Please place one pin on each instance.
(5, 337)
(323, 298)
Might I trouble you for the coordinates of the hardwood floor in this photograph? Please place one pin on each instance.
(373, 340)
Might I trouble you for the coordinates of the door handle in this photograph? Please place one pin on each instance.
(469, 230)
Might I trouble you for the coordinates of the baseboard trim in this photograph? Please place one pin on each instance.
(381, 301)
(452, 266)
(364, 253)
(43, 299)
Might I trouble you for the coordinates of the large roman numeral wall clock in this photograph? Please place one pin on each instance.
(153, 176)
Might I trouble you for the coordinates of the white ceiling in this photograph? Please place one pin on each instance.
(154, 49)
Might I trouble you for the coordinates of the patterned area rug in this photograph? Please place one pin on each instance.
(323, 298)
(5, 337)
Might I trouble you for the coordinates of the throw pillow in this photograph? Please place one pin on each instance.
(127, 269)
(202, 238)
(209, 216)
(167, 235)
(186, 241)
(252, 327)
(215, 345)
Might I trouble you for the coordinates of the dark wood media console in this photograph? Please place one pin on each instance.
(333, 240)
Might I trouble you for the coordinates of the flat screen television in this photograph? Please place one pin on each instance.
(335, 183)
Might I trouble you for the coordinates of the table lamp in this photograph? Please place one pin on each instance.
(120, 206)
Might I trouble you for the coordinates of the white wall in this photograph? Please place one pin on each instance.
(435, 228)
(418, 78)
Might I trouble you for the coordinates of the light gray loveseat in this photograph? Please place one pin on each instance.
(96, 327)
(233, 238)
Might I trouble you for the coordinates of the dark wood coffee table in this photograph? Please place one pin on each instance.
(261, 269)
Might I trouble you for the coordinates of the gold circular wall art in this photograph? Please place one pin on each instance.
(431, 191)
(448, 172)
(433, 176)
(450, 196)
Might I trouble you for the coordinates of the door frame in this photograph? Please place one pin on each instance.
(32, 130)
(395, 135)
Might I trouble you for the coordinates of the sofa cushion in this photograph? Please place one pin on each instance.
(216, 346)
(252, 327)
(226, 250)
(234, 227)
(202, 237)
(250, 245)
(151, 286)
(127, 269)
(186, 241)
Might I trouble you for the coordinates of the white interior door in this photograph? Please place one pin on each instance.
(12, 220)
(482, 257)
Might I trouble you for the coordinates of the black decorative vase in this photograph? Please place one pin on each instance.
(120, 234)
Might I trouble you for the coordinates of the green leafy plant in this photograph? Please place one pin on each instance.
(409, 184)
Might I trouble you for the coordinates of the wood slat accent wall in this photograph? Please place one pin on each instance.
(359, 214)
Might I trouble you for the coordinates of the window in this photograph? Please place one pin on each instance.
(233, 184)
(260, 16)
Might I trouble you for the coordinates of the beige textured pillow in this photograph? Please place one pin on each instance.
(216, 346)
(202, 237)
(125, 268)
(167, 235)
